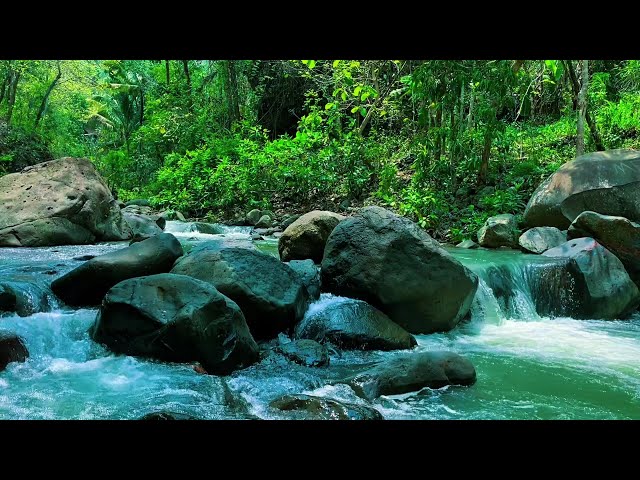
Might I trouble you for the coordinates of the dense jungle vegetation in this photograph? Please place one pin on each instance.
(446, 143)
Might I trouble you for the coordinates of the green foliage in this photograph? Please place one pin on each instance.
(446, 143)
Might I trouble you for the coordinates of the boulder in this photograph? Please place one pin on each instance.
(139, 202)
(499, 231)
(603, 182)
(355, 325)
(305, 352)
(307, 236)
(178, 319)
(266, 231)
(617, 234)
(142, 225)
(411, 373)
(468, 243)
(289, 219)
(270, 294)
(23, 295)
(253, 216)
(319, 408)
(541, 239)
(269, 214)
(309, 274)
(394, 265)
(600, 285)
(12, 349)
(59, 202)
(264, 222)
(88, 283)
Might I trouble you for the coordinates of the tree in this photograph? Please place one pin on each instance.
(45, 98)
(582, 107)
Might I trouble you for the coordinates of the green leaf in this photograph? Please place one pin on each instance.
(304, 62)
(357, 90)
(329, 106)
(336, 63)
(354, 109)
(363, 111)
(311, 64)
(365, 95)
(344, 95)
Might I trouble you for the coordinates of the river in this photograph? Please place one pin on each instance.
(528, 366)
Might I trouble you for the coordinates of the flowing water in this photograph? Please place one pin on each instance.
(529, 366)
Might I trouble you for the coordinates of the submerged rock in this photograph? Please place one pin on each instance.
(12, 349)
(59, 202)
(411, 373)
(499, 231)
(392, 264)
(604, 182)
(618, 235)
(165, 415)
(541, 239)
(319, 408)
(24, 296)
(270, 294)
(175, 318)
(307, 236)
(600, 285)
(353, 324)
(309, 274)
(305, 352)
(199, 227)
(88, 283)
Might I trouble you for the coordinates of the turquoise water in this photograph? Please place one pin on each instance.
(528, 366)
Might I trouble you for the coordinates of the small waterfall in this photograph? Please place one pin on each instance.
(518, 286)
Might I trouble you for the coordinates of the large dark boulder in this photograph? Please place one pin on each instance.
(307, 236)
(541, 239)
(353, 324)
(392, 264)
(411, 373)
(12, 349)
(604, 182)
(319, 408)
(600, 285)
(59, 202)
(175, 318)
(499, 231)
(23, 295)
(165, 415)
(88, 284)
(270, 294)
(309, 273)
(619, 235)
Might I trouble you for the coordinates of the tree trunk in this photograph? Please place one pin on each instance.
(232, 92)
(185, 67)
(471, 102)
(486, 152)
(11, 100)
(573, 79)
(167, 69)
(582, 107)
(3, 88)
(43, 104)
(438, 134)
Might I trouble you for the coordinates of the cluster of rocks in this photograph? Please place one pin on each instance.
(587, 213)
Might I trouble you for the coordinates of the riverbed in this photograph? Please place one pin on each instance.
(528, 366)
